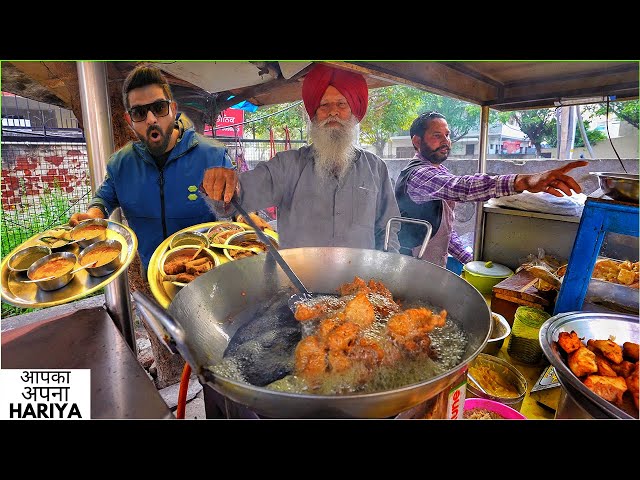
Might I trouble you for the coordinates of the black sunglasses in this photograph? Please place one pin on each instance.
(160, 108)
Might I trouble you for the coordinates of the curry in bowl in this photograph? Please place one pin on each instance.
(101, 255)
(55, 267)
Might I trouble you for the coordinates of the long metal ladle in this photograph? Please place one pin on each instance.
(272, 250)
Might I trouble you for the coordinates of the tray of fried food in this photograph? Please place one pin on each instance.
(608, 369)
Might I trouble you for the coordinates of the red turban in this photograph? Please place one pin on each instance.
(352, 85)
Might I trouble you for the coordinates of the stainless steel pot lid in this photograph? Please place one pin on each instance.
(488, 269)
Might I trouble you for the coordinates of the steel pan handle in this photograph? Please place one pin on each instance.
(427, 236)
(162, 324)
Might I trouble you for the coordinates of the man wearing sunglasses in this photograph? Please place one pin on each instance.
(155, 179)
(427, 190)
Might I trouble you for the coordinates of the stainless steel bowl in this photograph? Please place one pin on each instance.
(506, 372)
(101, 269)
(79, 232)
(196, 239)
(63, 277)
(619, 186)
(24, 258)
(500, 330)
(588, 325)
(186, 250)
(248, 235)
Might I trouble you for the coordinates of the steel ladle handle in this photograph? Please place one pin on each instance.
(271, 248)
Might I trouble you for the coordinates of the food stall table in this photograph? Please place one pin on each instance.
(88, 338)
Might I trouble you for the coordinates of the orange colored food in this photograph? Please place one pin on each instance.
(89, 231)
(56, 267)
(102, 255)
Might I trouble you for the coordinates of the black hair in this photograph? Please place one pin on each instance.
(141, 76)
(421, 124)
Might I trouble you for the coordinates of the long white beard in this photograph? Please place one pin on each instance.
(333, 147)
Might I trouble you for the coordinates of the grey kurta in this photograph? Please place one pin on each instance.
(317, 213)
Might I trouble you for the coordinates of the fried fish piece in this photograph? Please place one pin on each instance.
(604, 366)
(632, 384)
(569, 341)
(360, 311)
(582, 362)
(609, 388)
(624, 368)
(608, 348)
(630, 351)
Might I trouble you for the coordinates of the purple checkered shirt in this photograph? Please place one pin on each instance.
(435, 182)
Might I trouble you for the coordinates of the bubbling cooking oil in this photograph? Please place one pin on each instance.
(448, 344)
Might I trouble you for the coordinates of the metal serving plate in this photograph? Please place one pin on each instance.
(164, 291)
(28, 295)
(619, 186)
(588, 325)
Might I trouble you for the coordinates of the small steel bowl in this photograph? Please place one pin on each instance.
(187, 251)
(192, 239)
(85, 229)
(500, 330)
(248, 235)
(63, 277)
(101, 269)
(505, 372)
(223, 227)
(24, 258)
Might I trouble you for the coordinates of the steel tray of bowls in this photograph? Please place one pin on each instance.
(28, 295)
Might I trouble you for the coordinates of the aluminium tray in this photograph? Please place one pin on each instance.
(28, 295)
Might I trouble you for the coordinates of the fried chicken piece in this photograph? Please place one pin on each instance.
(339, 361)
(608, 348)
(343, 336)
(604, 366)
(569, 342)
(305, 312)
(630, 351)
(368, 352)
(609, 388)
(410, 329)
(360, 311)
(582, 362)
(632, 384)
(626, 277)
(353, 287)
(624, 368)
(326, 326)
(310, 358)
(380, 288)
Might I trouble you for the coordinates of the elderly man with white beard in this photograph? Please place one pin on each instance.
(329, 193)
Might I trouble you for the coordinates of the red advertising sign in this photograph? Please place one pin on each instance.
(228, 117)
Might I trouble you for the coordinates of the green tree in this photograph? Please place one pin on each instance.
(291, 115)
(627, 111)
(538, 125)
(390, 109)
(462, 117)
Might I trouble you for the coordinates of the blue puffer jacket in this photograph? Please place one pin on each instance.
(157, 203)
